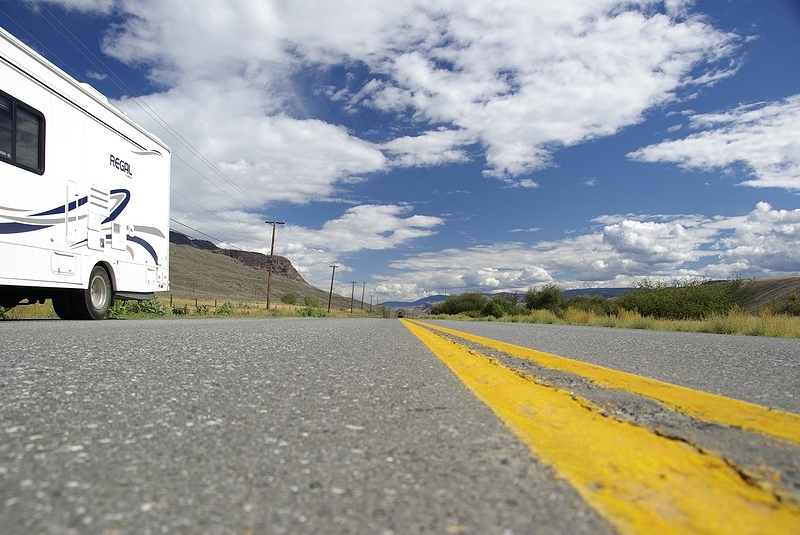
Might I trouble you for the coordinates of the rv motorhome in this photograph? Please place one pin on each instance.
(84, 193)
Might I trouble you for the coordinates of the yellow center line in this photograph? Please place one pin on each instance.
(640, 482)
(710, 408)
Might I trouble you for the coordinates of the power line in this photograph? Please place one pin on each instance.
(198, 231)
(120, 83)
(98, 63)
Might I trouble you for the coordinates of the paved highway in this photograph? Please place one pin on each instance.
(751, 368)
(281, 426)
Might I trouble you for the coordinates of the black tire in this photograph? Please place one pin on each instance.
(93, 302)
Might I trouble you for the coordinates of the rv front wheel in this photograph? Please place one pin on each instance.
(94, 302)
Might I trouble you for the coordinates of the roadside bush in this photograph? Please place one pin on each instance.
(225, 310)
(791, 307)
(462, 303)
(595, 304)
(691, 299)
(550, 297)
(4, 313)
(498, 307)
(146, 308)
(289, 299)
(201, 310)
(151, 307)
(180, 311)
(311, 312)
(311, 301)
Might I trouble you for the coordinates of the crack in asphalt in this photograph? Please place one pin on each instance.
(765, 462)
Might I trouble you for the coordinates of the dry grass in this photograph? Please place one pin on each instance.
(737, 322)
(182, 307)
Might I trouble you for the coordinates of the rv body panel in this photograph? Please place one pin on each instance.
(99, 194)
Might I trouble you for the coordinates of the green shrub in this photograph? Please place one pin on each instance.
(691, 299)
(4, 313)
(311, 301)
(498, 307)
(791, 307)
(180, 311)
(462, 303)
(201, 310)
(550, 297)
(289, 299)
(150, 307)
(596, 304)
(225, 310)
(311, 312)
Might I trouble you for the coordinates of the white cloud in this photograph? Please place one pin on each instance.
(764, 137)
(272, 157)
(520, 78)
(435, 147)
(766, 242)
(373, 227)
(312, 251)
(767, 239)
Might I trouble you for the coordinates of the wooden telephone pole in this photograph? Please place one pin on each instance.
(274, 223)
(330, 296)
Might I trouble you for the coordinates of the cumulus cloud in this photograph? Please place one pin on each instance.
(766, 239)
(765, 242)
(521, 79)
(435, 147)
(373, 227)
(764, 137)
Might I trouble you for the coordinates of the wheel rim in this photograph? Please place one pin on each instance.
(99, 292)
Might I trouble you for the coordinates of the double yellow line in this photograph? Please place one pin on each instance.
(639, 481)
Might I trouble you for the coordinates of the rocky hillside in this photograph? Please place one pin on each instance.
(280, 266)
(200, 269)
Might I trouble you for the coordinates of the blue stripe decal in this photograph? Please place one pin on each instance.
(147, 247)
(60, 210)
(121, 206)
(18, 228)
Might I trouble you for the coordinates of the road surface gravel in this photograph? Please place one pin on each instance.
(294, 425)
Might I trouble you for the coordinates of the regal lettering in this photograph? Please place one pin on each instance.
(123, 166)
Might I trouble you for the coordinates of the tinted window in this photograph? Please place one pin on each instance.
(21, 135)
(28, 142)
(6, 128)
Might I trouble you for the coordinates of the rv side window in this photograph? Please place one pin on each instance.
(21, 135)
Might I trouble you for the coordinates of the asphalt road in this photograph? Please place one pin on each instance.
(300, 426)
(757, 369)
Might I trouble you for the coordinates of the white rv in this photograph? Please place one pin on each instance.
(84, 193)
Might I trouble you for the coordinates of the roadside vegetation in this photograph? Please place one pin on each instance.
(692, 306)
(168, 307)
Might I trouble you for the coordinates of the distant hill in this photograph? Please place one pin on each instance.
(767, 292)
(198, 268)
(413, 304)
(428, 302)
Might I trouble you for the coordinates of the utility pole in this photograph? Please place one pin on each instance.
(330, 296)
(275, 223)
(352, 295)
(363, 288)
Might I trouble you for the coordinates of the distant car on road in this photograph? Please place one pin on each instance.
(400, 314)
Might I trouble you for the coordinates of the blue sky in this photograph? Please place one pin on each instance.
(430, 147)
